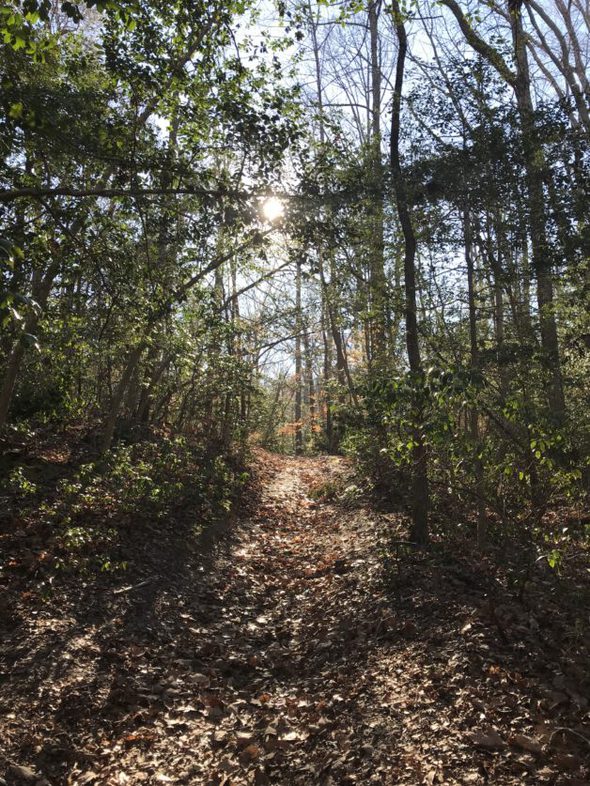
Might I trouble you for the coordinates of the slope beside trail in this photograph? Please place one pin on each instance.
(293, 653)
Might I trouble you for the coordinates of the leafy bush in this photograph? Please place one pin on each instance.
(517, 463)
(97, 513)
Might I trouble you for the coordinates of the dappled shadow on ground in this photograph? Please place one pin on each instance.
(287, 650)
(80, 651)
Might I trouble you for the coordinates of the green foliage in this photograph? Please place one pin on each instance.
(19, 485)
(121, 313)
(83, 281)
(99, 515)
(529, 461)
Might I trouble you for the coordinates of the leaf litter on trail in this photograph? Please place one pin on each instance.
(289, 658)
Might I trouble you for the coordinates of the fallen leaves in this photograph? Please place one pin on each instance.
(287, 659)
(489, 740)
(23, 774)
(526, 743)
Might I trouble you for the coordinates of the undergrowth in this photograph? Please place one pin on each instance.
(87, 517)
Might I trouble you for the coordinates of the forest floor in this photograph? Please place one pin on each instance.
(290, 649)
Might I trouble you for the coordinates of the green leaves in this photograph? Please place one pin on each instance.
(30, 341)
(554, 559)
(14, 307)
(7, 254)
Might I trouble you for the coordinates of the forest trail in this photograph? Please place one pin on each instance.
(285, 655)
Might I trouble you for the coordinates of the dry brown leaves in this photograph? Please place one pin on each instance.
(286, 657)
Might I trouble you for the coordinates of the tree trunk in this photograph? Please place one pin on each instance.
(420, 492)
(482, 524)
(327, 377)
(298, 365)
(377, 355)
(310, 397)
(541, 251)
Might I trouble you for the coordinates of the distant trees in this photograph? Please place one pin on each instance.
(423, 304)
(479, 212)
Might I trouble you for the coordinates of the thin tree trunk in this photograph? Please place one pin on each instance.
(310, 386)
(377, 355)
(327, 376)
(482, 524)
(494, 254)
(420, 492)
(298, 365)
(41, 287)
(326, 314)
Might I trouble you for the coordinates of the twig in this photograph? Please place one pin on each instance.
(571, 731)
(135, 586)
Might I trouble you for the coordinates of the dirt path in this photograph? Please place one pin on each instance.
(290, 655)
(291, 687)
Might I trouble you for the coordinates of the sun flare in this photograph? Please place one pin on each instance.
(273, 208)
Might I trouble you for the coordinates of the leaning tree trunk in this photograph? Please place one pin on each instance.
(118, 394)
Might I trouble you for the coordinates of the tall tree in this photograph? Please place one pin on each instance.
(419, 456)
